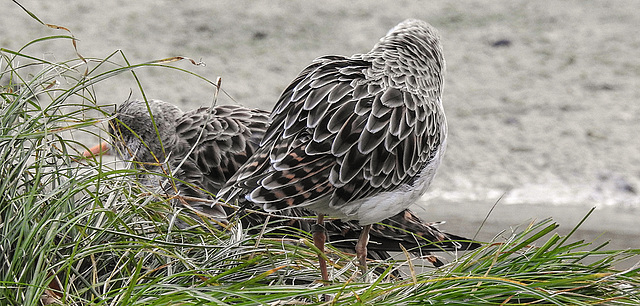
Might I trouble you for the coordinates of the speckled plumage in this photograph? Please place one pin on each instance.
(358, 138)
(209, 144)
(232, 134)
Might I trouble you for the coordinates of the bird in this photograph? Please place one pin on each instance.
(216, 155)
(204, 146)
(353, 137)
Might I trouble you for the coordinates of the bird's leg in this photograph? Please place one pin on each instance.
(319, 237)
(361, 247)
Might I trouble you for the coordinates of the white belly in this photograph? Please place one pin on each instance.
(382, 205)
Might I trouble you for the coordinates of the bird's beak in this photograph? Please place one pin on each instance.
(97, 150)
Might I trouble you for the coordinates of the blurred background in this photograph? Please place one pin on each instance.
(542, 98)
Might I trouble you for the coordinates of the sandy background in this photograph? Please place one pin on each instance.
(542, 97)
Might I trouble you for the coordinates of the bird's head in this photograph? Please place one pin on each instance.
(411, 56)
(144, 131)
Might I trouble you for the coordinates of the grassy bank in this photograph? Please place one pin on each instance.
(76, 231)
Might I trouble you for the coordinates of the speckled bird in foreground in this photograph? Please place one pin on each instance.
(357, 138)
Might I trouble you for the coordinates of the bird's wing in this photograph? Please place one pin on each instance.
(336, 132)
(404, 228)
(222, 139)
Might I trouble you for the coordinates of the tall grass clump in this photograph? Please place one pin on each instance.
(78, 231)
